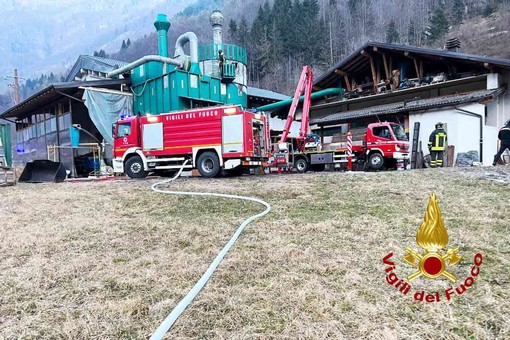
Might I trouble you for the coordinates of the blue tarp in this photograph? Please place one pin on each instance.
(106, 108)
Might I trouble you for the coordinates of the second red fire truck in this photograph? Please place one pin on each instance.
(382, 144)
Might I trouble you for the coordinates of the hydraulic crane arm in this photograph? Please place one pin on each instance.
(304, 85)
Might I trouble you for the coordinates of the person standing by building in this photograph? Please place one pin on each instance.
(437, 144)
(504, 137)
(222, 59)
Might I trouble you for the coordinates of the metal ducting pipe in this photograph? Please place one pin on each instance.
(334, 91)
(191, 38)
(176, 62)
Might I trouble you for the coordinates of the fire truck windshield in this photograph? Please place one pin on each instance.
(123, 130)
(399, 132)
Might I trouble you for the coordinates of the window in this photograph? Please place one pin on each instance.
(64, 122)
(382, 131)
(399, 132)
(53, 124)
(33, 133)
(40, 129)
(47, 126)
(123, 130)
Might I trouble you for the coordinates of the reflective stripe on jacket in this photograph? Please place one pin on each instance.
(437, 140)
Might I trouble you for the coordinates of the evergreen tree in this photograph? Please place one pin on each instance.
(458, 11)
(123, 47)
(268, 15)
(392, 33)
(314, 42)
(232, 31)
(243, 32)
(260, 44)
(353, 7)
(128, 42)
(282, 11)
(295, 35)
(438, 25)
(411, 34)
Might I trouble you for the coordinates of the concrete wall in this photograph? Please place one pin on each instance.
(463, 130)
(498, 112)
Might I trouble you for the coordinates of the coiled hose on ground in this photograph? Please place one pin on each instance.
(181, 306)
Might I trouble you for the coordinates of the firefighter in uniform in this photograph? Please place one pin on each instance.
(504, 137)
(437, 143)
(222, 59)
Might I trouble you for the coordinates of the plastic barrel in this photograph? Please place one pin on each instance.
(75, 136)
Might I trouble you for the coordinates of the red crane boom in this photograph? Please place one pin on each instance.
(304, 86)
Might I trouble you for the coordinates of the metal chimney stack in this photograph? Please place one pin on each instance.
(217, 24)
(162, 25)
(453, 45)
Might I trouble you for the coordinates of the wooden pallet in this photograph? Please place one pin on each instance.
(7, 177)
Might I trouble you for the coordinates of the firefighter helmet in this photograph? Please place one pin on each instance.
(439, 125)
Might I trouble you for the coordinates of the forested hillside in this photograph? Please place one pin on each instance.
(282, 35)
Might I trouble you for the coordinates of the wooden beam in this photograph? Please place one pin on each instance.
(386, 68)
(374, 75)
(347, 83)
(417, 69)
(365, 53)
(378, 73)
(421, 69)
(340, 73)
(490, 67)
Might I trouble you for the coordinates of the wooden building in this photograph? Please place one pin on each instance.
(418, 85)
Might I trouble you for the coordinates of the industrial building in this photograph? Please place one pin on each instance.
(42, 121)
(418, 85)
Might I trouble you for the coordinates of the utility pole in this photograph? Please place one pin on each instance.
(16, 88)
(16, 98)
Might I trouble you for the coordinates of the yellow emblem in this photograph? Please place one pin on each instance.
(432, 237)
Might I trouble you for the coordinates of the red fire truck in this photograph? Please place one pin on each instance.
(382, 144)
(213, 140)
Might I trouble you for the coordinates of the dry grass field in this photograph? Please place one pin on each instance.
(110, 260)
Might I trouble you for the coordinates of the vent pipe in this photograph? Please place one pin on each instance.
(452, 45)
(162, 25)
(217, 24)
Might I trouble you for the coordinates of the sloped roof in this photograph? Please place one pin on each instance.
(54, 92)
(407, 106)
(356, 61)
(97, 64)
(256, 92)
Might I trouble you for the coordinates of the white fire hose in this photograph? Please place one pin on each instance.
(181, 306)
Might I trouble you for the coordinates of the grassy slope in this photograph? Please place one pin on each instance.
(111, 260)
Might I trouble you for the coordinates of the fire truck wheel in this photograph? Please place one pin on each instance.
(301, 165)
(376, 161)
(134, 168)
(209, 164)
